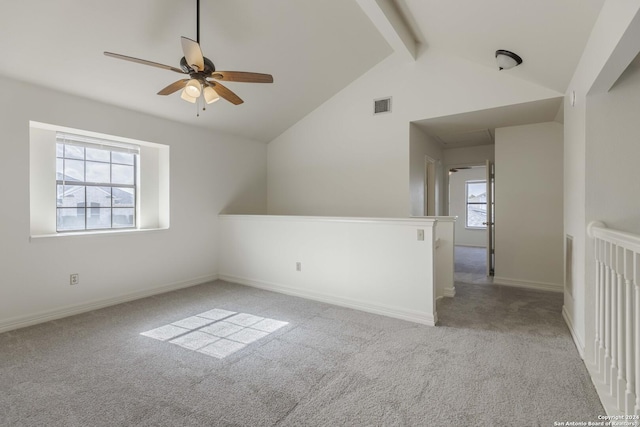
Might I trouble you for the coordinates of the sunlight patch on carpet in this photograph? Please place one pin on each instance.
(217, 333)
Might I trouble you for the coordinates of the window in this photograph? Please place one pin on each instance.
(96, 183)
(476, 204)
(83, 182)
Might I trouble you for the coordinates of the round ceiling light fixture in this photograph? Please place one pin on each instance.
(507, 59)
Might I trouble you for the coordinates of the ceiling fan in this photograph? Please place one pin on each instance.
(203, 81)
(459, 168)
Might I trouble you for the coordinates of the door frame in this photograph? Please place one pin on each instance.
(447, 183)
(491, 215)
(430, 197)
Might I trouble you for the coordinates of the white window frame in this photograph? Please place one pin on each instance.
(68, 139)
(153, 206)
(466, 204)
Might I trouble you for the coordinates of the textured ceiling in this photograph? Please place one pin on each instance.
(312, 48)
(549, 35)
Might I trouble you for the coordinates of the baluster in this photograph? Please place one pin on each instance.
(602, 313)
(621, 380)
(636, 282)
(598, 342)
(613, 385)
(629, 311)
(607, 318)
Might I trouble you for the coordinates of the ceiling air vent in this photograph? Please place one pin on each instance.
(382, 105)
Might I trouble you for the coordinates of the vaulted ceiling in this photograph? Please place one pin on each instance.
(313, 48)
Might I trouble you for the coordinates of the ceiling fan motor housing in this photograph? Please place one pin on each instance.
(209, 68)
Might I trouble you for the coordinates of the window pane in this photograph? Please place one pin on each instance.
(476, 215)
(73, 170)
(70, 219)
(98, 218)
(98, 172)
(124, 197)
(59, 169)
(124, 217)
(70, 196)
(476, 192)
(99, 197)
(91, 207)
(98, 155)
(121, 174)
(124, 158)
(73, 152)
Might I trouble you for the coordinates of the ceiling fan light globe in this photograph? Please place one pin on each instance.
(184, 95)
(193, 88)
(210, 95)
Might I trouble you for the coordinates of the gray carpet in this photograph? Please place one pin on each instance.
(501, 357)
(470, 260)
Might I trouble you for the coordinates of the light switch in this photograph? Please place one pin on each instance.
(420, 234)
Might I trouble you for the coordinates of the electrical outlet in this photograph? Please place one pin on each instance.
(74, 279)
(298, 266)
(420, 234)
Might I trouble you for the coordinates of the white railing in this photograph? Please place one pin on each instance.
(617, 328)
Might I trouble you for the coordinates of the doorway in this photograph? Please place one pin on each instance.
(469, 201)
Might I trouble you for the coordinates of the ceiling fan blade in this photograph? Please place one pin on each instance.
(143, 62)
(192, 53)
(174, 87)
(225, 93)
(242, 76)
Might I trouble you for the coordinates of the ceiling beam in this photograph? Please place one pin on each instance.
(385, 16)
(621, 56)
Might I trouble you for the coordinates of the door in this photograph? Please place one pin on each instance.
(490, 223)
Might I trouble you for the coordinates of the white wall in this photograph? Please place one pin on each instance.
(458, 206)
(445, 258)
(613, 43)
(529, 206)
(209, 173)
(375, 265)
(613, 153)
(422, 146)
(342, 160)
(468, 156)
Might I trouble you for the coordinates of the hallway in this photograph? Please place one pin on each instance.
(470, 265)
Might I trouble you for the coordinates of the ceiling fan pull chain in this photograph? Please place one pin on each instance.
(204, 101)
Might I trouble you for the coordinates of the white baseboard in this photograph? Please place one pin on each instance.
(71, 310)
(527, 284)
(574, 335)
(447, 292)
(609, 403)
(450, 292)
(385, 310)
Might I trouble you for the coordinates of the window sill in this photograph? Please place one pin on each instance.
(476, 228)
(96, 233)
